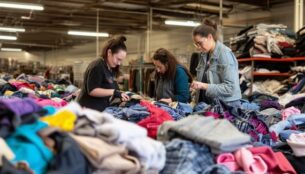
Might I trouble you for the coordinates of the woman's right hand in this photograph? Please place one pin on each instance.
(199, 85)
(124, 97)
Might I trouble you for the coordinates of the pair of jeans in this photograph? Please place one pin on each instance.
(185, 108)
(175, 113)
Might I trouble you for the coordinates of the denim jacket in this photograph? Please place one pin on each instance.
(222, 74)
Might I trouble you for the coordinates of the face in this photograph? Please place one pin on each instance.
(203, 44)
(116, 59)
(160, 68)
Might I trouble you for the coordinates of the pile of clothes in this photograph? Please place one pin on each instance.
(264, 40)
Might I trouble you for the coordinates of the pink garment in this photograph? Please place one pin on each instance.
(276, 162)
(49, 102)
(289, 111)
(212, 114)
(19, 85)
(251, 164)
(228, 159)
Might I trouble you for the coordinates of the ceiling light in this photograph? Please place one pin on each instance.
(11, 49)
(86, 33)
(27, 6)
(4, 37)
(11, 29)
(182, 23)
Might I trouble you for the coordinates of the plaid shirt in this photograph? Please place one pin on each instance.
(186, 157)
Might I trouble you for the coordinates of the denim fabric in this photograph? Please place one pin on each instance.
(297, 119)
(284, 135)
(201, 107)
(257, 97)
(220, 169)
(298, 87)
(235, 103)
(116, 112)
(175, 113)
(280, 126)
(185, 108)
(293, 120)
(245, 104)
(134, 115)
(270, 104)
(222, 74)
(186, 157)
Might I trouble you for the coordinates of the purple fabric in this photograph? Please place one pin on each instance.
(19, 106)
(270, 104)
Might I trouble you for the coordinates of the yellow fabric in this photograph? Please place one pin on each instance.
(63, 119)
(8, 93)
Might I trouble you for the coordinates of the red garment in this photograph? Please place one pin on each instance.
(154, 120)
(285, 44)
(276, 162)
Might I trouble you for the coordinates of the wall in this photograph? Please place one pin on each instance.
(24, 56)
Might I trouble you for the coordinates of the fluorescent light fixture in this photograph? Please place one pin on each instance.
(26, 6)
(11, 29)
(182, 23)
(87, 33)
(11, 49)
(4, 37)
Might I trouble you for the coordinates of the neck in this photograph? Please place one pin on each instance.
(213, 48)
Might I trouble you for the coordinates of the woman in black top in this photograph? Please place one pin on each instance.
(99, 79)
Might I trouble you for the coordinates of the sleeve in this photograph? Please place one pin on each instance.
(94, 78)
(228, 73)
(182, 93)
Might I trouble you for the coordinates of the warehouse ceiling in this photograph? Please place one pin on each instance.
(47, 29)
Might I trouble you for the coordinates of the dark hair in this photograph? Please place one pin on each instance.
(167, 58)
(207, 27)
(115, 45)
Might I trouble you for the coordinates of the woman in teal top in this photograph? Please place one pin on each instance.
(172, 78)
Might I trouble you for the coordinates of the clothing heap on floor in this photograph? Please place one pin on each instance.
(265, 135)
(45, 92)
(266, 40)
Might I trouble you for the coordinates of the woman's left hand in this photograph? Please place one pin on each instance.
(166, 100)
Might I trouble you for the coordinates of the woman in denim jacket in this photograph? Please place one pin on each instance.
(217, 70)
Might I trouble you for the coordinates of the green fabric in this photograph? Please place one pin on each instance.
(182, 87)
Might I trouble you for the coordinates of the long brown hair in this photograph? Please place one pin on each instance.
(168, 59)
(206, 28)
(115, 45)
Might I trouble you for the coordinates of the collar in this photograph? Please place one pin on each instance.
(216, 51)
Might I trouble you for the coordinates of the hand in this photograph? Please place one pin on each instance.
(124, 97)
(199, 85)
(166, 100)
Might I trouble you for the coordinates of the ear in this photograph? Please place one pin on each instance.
(109, 52)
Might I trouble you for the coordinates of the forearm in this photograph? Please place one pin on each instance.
(101, 92)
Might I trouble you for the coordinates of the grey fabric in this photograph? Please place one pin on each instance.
(220, 134)
(164, 88)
